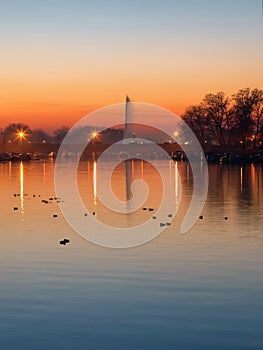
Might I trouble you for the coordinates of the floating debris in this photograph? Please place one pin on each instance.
(55, 215)
(15, 208)
(65, 241)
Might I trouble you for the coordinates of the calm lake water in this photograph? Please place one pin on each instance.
(200, 290)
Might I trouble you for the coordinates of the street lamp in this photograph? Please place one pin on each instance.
(94, 135)
(21, 135)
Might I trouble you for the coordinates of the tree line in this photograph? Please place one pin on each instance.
(11, 133)
(228, 122)
(21, 132)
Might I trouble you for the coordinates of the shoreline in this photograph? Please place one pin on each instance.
(213, 154)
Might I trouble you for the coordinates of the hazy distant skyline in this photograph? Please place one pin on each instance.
(62, 59)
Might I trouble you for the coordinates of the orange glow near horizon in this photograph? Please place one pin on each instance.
(60, 108)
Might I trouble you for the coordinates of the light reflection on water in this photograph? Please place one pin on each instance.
(202, 290)
(95, 182)
(21, 175)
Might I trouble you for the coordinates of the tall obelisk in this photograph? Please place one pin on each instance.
(126, 125)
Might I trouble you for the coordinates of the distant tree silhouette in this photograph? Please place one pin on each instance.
(40, 136)
(247, 109)
(228, 122)
(12, 129)
(195, 117)
(215, 108)
(60, 133)
(258, 124)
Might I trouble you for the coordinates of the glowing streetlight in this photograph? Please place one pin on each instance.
(94, 136)
(21, 135)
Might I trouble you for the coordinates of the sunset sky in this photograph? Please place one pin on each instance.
(61, 59)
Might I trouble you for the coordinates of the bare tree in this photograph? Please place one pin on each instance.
(215, 107)
(194, 116)
(11, 132)
(258, 124)
(61, 133)
(246, 104)
(40, 136)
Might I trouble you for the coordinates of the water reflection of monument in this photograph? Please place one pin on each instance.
(128, 163)
(138, 146)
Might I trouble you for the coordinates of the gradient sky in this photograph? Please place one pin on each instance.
(61, 59)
